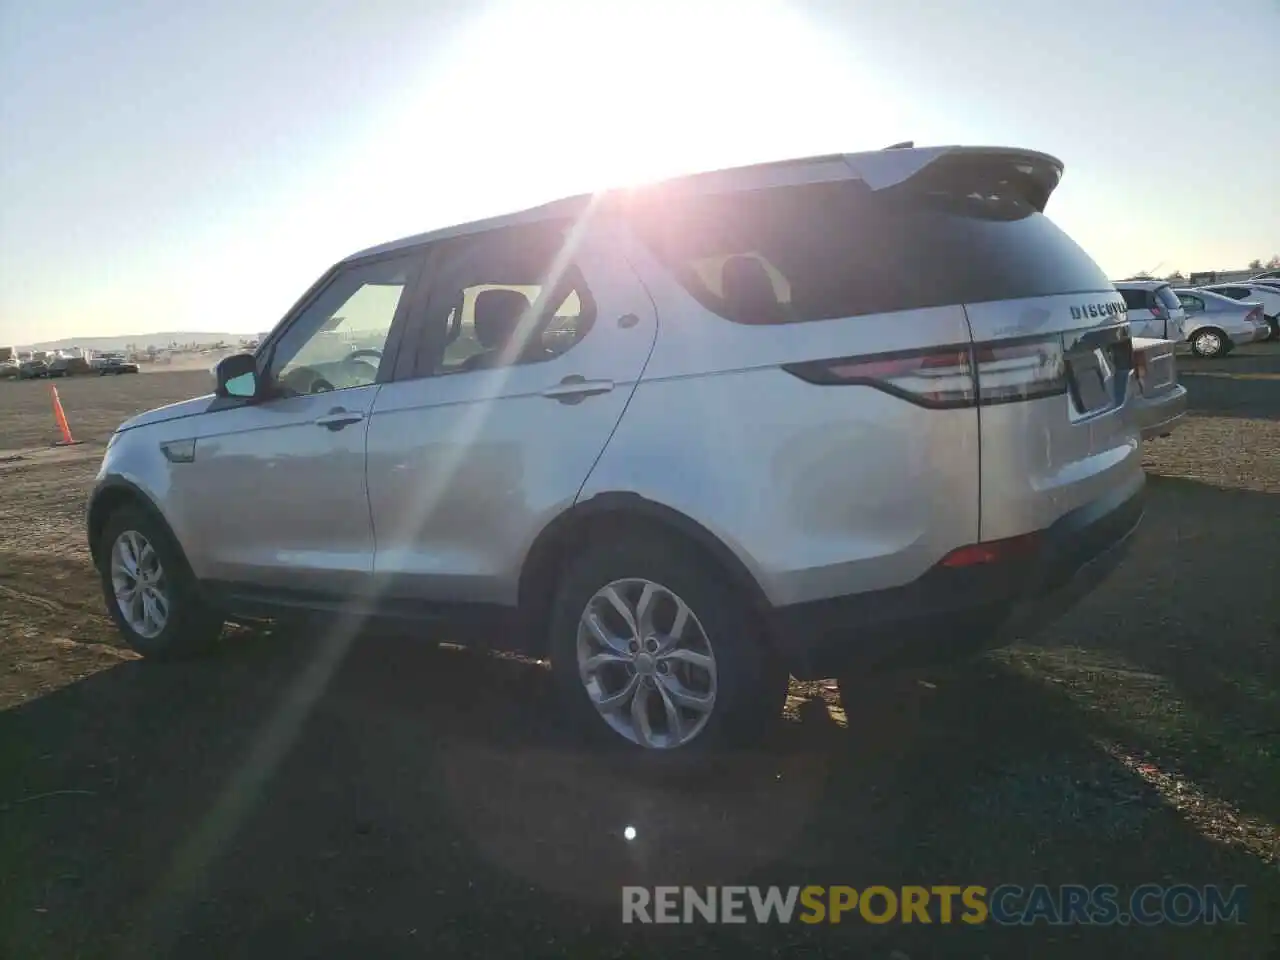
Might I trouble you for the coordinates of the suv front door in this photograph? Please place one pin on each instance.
(279, 481)
(532, 343)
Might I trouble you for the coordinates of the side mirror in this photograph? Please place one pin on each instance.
(237, 376)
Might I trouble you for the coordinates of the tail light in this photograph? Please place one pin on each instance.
(1157, 310)
(1255, 315)
(931, 378)
(1020, 371)
(951, 376)
(1140, 367)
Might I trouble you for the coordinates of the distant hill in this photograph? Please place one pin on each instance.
(140, 341)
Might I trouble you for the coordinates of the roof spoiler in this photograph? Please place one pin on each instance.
(1037, 174)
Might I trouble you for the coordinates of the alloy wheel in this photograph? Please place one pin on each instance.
(139, 583)
(646, 663)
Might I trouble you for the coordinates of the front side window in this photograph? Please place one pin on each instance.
(338, 340)
(509, 297)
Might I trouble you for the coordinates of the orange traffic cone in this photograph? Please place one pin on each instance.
(60, 418)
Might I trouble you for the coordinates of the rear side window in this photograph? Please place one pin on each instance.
(1235, 293)
(502, 298)
(826, 250)
(1135, 299)
(1167, 298)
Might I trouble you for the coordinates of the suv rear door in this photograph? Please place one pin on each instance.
(1052, 349)
(480, 442)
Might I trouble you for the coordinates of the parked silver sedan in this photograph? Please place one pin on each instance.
(1215, 324)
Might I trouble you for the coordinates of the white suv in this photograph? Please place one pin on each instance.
(806, 418)
(1155, 312)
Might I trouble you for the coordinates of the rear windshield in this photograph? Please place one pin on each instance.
(1134, 299)
(826, 250)
(1167, 298)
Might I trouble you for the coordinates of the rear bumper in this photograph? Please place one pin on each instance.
(1157, 416)
(951, 612)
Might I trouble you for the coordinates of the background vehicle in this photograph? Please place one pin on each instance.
(885, 451)
(1216, 324)
(1268, 275)
(1162, 401)
(1154, 310)
(58, 364)
(115, 363)
(32, 369)
(9, 362)
(1261, 293)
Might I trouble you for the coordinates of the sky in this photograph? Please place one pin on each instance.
(195, 166)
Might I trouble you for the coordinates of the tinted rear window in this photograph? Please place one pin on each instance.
(827, 250)
(1168, 299)
(1135, 299)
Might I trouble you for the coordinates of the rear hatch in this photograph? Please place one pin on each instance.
(1165, 306)
(1052, 354)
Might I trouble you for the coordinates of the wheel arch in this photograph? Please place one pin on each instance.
(111, 496)
(612, 514)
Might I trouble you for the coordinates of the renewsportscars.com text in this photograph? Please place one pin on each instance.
(1006, 905)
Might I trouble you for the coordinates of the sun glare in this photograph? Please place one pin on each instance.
(538, 101)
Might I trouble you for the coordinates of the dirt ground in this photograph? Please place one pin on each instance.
(319, 794)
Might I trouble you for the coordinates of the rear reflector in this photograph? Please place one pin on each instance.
(991, 551)
(951, 376)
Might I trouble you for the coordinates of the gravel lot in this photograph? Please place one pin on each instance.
(321, 794)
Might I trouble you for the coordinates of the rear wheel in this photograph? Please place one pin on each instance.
(1209, 342)
(150, 593)
(655, 653)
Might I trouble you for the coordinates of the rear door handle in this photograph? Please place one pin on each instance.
(575, 389)
(338, 418)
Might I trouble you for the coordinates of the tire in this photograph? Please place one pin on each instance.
(1274, 323)
(747, 684)
(190, 626)
(1209, 342)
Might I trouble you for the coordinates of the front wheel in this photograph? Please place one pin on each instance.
(656, 653)
(150, 593)
(1209, 343)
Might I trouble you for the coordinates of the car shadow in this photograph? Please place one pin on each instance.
(1244, 385)
(1199, 688)
(325, 793)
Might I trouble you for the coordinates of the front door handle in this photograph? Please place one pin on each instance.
(575, 389)
(337, 418)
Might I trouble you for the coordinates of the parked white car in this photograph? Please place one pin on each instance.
(1154, 310)
(1263, 293)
